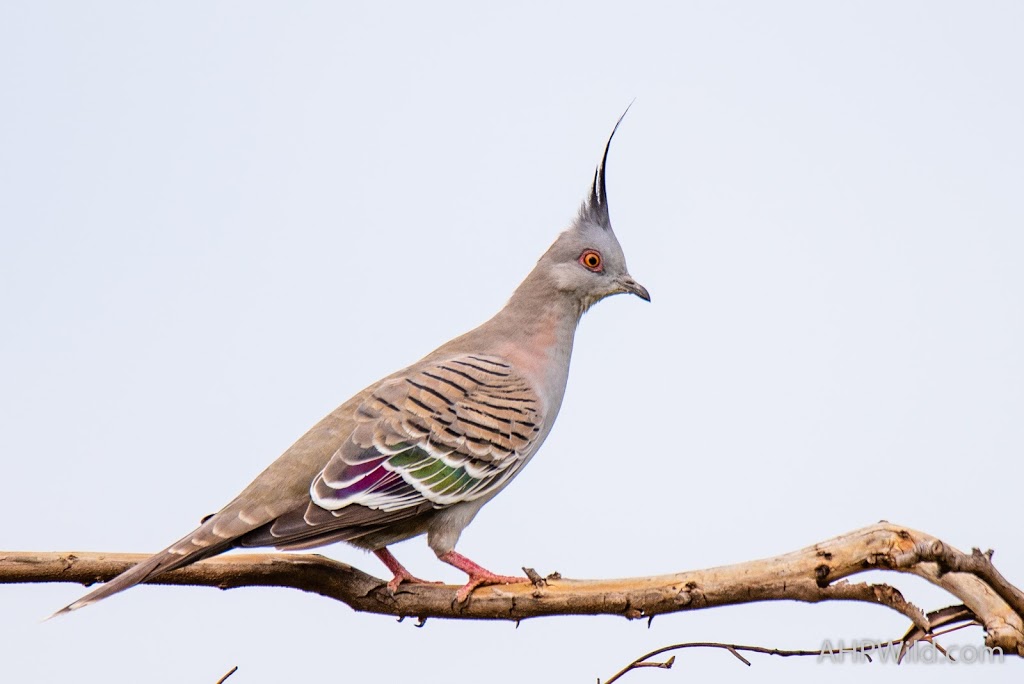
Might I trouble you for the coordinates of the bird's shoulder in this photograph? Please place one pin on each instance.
(478, 404)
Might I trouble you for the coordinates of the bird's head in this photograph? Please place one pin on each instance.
(586, 261)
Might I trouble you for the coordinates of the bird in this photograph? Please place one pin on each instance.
(423, 449)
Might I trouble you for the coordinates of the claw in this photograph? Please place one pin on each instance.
(478, 576)
(406, 576)
(399, 571)
(486, 580)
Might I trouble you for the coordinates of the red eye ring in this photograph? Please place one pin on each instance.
(592, 261)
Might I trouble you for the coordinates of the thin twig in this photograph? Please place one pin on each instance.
(732, 648)
(862, 649)
(951, 615)
(229, 673)
(664, 665)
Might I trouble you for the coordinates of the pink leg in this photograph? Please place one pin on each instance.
(398, 570)
(478, 576)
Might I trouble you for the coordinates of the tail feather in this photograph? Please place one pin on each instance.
(289, 524)
(183, 552)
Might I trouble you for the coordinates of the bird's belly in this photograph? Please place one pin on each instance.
(393, 533)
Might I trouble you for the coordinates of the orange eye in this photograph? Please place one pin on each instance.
(592, 261)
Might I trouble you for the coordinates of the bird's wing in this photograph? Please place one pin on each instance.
(447, 432)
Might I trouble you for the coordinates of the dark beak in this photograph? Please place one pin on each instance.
(632, 287)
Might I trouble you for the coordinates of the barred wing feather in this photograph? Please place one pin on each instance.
(454, 431)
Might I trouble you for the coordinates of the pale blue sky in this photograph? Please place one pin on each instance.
(220, 220)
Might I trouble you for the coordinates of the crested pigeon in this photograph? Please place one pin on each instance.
(422, 450)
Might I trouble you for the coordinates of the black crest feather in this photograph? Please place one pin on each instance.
(596, 207)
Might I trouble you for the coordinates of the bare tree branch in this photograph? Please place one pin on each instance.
(816, 573)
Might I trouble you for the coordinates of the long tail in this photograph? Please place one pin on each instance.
(201, 543)
(303, 525)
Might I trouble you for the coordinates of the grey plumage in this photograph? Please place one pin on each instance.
(422, 450)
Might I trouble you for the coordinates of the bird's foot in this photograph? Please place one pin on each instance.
(399, 571)
(485, 580)
(478, 576)
(406, 576)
